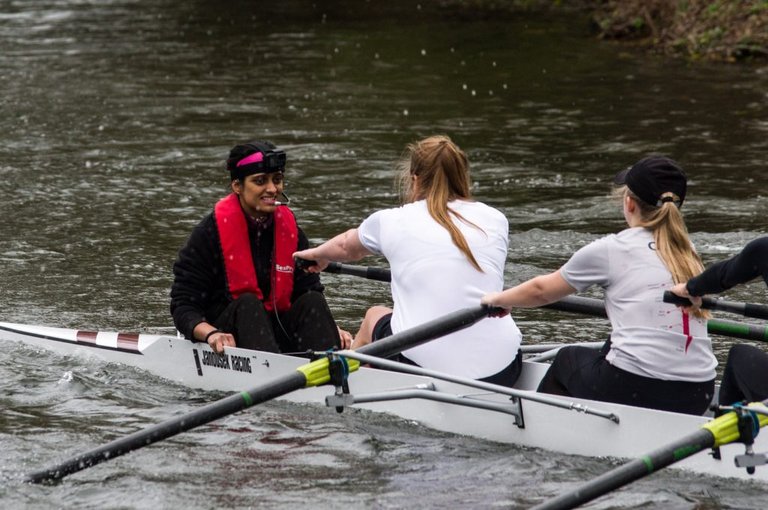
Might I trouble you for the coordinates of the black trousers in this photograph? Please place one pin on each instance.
(583, 372)
(745, 376)
(307, 325)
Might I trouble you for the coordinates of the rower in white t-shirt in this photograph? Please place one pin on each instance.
(445, 252)
(431, 277)
(658, 356)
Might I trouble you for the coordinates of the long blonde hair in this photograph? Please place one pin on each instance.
(673, 245)
(441, 172)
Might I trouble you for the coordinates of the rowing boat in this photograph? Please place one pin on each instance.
(522, 417)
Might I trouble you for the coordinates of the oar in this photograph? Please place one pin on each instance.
(717, 432)
(315, 373)
(596, 307)
(551, 353)
(581, 305)
(544, 348)
(746, 309)
(738, 330)
(576, 304)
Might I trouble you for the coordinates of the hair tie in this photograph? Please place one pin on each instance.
(668, 196)
(211, 333)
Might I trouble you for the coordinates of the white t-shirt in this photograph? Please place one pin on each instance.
(432, 278)
(649, 337)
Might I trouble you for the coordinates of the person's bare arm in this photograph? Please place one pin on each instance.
(535, 292)
(345, 247)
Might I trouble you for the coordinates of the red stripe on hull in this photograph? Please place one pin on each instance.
(88, 337)
(128, 341)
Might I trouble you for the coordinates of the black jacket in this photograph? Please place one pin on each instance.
(750, 263)
(199, 292)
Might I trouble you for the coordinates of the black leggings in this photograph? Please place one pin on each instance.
(307, 325)
(745, 376)
(583, 372)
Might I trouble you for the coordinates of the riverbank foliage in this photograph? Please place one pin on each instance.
(698, 29)
(726, 30)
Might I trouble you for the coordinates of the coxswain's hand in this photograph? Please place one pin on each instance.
(219, 339)
(346, 338)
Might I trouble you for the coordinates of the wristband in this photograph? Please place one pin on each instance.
(211, 332)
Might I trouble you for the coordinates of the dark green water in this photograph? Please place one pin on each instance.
(117, 117)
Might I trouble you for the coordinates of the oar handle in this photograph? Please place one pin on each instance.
(746, 309)
(673, 299)
(579, 304)
(371, 273)
(303, 264)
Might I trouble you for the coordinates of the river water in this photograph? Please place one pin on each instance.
(116, 119)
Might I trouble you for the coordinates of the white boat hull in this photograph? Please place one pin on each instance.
(638, 432)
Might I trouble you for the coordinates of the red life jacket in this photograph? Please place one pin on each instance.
(238, 258)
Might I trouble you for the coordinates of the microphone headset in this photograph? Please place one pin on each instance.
(283, 202)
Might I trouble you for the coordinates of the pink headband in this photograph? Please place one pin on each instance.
(256, 157)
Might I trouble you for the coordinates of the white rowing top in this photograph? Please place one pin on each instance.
(432, 278)
(649, 337)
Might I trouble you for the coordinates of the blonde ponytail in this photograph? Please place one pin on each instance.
(670, 234)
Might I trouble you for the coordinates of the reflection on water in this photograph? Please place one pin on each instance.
(117, 116)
